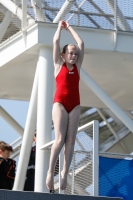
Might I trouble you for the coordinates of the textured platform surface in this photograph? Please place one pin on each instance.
(17, 195)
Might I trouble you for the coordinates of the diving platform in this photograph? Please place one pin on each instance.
(13, 195)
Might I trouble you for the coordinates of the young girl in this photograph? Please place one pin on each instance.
(66, 108)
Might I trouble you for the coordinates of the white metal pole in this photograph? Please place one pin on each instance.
(11, 121)
(44, 117)
(112, 130)
(79, 6)
(95, 162)
(15, 10)
(121, 19)
(115, 23)
(37, 7)
(5, 23)
(27, 138)
(24, 13)
(64, 10)
(61, 160)
(106, 99)
(73, 173)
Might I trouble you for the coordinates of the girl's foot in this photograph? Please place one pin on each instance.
(50, 181)
(63, 181)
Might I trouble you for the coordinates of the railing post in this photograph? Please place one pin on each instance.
(61, 160)
(73, 173)
(95, 163)
(115, 23)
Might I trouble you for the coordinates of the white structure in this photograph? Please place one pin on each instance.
(106, 71)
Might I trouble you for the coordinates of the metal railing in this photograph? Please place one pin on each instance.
(83, 172)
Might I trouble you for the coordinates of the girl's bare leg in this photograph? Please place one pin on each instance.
(60, 119)
(69, 143)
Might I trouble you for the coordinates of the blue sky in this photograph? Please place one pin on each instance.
(18, 110)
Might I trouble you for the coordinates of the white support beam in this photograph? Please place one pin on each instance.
(44, 116)
(5, 23)
(120, 17)
(24, 13)
(64, 10)
(112, 131)
(95, 164)
(116, 119)
(106, 99)
(24, 20)
(61, 161)
(78, 7)
(15, 22)
(27, 138)
(37, 7)
(16, 10)
(11, 121)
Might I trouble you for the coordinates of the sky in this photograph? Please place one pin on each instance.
(18, 110)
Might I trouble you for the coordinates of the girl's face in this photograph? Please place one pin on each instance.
(71, 54)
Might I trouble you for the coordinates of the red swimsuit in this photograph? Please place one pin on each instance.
(67, 88)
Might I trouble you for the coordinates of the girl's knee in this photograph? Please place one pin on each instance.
(59, 141)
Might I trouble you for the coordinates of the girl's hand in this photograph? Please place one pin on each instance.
(62, 24)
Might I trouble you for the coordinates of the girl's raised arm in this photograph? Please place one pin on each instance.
(56, 45)
(79, 42)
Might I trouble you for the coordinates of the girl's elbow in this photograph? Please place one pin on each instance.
(55, 41)
(82, 43)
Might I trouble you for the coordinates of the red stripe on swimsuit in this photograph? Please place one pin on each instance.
(67, 88)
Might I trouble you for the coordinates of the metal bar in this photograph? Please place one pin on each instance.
(3, 10)
(112, 131)
(95, 162)
(93, 21)
(110, 128)
(24, 13)
(64, 10)
(102, 14)
(19, 129)
(44, 116)
(16, 141)
(4, 24)
(79, 6)
(27, 138)
(100, 11)
(49, 8)
(120, 17)
(129, 114)
(37, 7)
(115, 23)
(16, 10)
(73, 173)
(61, 159)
